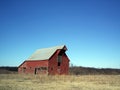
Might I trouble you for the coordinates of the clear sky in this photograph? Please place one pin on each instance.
(89, 28)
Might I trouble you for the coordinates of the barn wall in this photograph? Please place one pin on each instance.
(33, 67)
(65, 65)
(53, 65)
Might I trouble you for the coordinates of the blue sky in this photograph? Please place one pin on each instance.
(89, 28)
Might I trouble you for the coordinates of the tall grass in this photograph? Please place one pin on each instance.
(70, 82)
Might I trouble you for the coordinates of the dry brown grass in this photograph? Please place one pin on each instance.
(40, 82)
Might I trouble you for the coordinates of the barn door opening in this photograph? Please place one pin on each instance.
(35, 71)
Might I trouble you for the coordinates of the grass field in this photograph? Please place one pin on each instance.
(39, 82)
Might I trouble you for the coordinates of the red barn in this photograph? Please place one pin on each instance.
(48, 61)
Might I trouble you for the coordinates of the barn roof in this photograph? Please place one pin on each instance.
(45, 53)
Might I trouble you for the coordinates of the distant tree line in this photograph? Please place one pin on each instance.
(78, 70)
(8, 70)
(73, 70)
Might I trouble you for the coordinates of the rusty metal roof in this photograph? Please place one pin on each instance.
(45, 53)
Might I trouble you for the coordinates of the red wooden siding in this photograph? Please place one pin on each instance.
(53, 64)
(30, 67)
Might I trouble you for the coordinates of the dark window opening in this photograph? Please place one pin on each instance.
(59, 59)
(59, 63)
(62, 52)
(38, 69)
(24, 67)
(42, 68)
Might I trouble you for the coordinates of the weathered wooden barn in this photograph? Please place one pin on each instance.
(50, 61)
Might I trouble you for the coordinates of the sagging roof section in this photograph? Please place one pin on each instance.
(45, 53)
